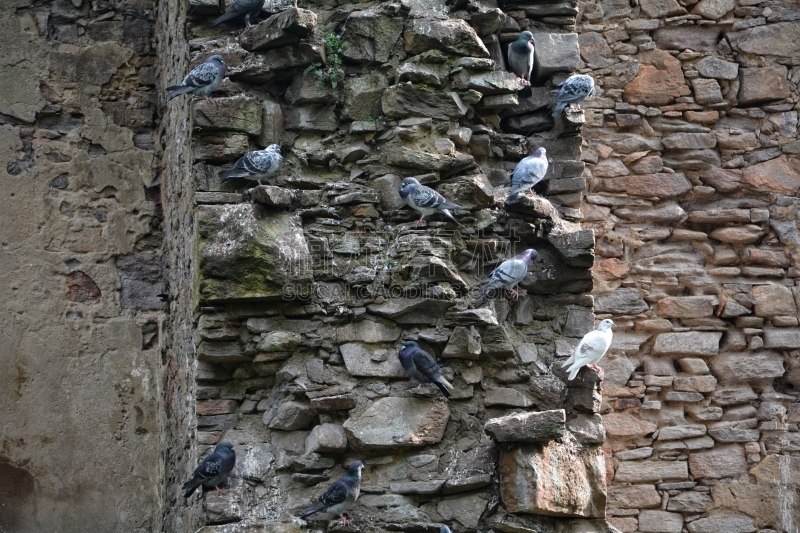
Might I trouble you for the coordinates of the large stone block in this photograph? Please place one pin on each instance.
(713, 9)
(720, 462)
(761, 85)
(626, 301)
(660, 185)
(405, 99)
(396, 423)
(660, 522)
(659, 81)
(651, 471)
(558, 479)
(633, 497)
(627, 426)
(781, 338)
(234, 113)
(464, 343)
(371, 35)
(250, 252)
(713, 67)
(755, 367)
(686, 306)
(781, 39)
(283, 28)
(688, 343)
(781, 175)
(723, 522)
(453, 36)
(697, 38)
(371, 361)
(555, 52)
(326, 438)
(527, 427)
(492, 82)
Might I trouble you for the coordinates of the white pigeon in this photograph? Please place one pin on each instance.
(591, 349)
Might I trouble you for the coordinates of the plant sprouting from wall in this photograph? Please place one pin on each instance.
(331, 72)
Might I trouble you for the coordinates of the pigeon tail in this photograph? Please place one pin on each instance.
(559, 108)
(444, 386)
(450, 216)
(191, 487)
(311, 511)
(224, 18)
(179, 90)
(574, 371)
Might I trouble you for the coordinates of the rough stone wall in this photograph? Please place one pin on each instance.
(307, 286)
(693, 174)
(80, 446)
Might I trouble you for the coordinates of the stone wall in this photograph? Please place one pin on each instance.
(693, 173)
(80, 321)
(307, 286)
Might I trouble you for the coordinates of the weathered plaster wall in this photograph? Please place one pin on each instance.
(81, 268)
(693, 175)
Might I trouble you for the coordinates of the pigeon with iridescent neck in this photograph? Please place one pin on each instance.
(573, 90)
(421, 366)
(425, 200)
(520, 56)
(509, 274)
(528, 173)
(214, 469)
(341, 495)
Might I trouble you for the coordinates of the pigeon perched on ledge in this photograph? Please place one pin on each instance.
(240, 8)
(520, 56)
(573, 90)
(590, 350)
(214, 469)
(509, 274)
(425, 200)
(528, 173)
(257, 165)
(340, 495)
(202, 80)
(423, 367)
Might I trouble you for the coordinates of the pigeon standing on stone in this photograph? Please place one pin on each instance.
(202, 80)
(213, 470)
(425, 200)
(340, 495)
(510, 273)
(256, 165)
(422, 366)
(520, 56)
(573, 90)
(591, 349)
(528, 173)
(240, 8)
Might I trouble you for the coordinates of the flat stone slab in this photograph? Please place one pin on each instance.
(527, 427)
(392, 424)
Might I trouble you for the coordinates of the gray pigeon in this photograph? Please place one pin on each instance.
(202, 80)
(528, 173)
(520, 56)
(573, 90)
(421, 366)
(591, 349)
(340, 495)
(257, 165)
(509, 273)
(214, 469)
(240, 8)
(425, 200)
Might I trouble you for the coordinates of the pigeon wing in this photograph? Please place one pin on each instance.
(426, 364)
(336, 494)
(521, 59)
(591, 348)
(423, 196)
(528, 173)
(201, 76)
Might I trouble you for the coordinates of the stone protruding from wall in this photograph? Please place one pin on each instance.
(692, 162)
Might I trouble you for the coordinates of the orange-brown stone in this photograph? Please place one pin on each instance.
(779, 175)
(660, 80)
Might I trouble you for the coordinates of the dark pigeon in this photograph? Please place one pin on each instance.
(573, 90)
(422, 366)
(425, 200)
(340, 495)
(528, 173)
(509, 273)
(240, 8)
(214, 469)
(256, 165)
(202, 80)
(520, 56)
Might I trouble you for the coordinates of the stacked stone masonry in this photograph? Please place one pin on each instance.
(307, 286)
(692, 169)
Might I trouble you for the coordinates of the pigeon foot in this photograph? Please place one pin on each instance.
(421, 222)
(345, 521)
(219, 490)
(514, 293)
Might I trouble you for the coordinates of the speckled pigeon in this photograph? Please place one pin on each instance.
(573, 90)
(591, 349)
(257, 165)
(509, 273)
(421, 366)
(214, 469)
(340, 495)
(520, 56)
(425, 200)
(528, 173)
(202, 80)
(240, 8)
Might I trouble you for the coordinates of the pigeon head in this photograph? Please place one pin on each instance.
(273, 148)
(541, 153)
(408, 185)
(407, 348)
(217, 59)
(525, 37)
(605, 325)
(224, 448)
(528, 255)
(354, 470)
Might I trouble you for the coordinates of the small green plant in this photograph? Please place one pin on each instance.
(331, 72)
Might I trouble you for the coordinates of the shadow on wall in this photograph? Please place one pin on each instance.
(17, 498)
